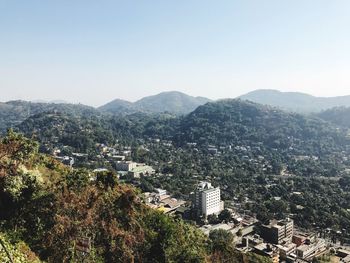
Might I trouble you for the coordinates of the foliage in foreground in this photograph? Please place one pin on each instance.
(52, 217)
(18, 252)
(50, 207)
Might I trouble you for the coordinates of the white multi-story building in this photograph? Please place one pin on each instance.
(207, 199)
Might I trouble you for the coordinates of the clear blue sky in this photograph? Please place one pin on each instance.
(93, 51)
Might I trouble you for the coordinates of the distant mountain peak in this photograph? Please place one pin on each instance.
(169, 101)
(295, 101)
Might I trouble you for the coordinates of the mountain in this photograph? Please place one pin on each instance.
(119, 106)
(234, 121)
(281, 137)
(339, 116)
(295, 101)
(12, 113)
(172, 102)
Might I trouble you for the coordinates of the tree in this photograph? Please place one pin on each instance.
(222, 246)
(213, 219)
(77, 179)
(225, 215)
(106, 179)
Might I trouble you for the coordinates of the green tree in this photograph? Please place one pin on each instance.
(225, 215)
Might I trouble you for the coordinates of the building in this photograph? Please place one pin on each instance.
(160, 191)
(161, 201)
(309, 251)
(343, 255)
(206, 199)
(206, 229)
(278, 232)
(286, 250)
(252, 241)
(125, 166)
(141, 170)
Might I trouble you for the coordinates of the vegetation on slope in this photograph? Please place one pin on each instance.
(13, 113)
(51, 207)
(17, 252)
(339, 116)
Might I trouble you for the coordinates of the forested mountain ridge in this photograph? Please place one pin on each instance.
(13, 113)
(82, 133)
(305, 145)
(235, 121)
(295, 101)
(284, 138)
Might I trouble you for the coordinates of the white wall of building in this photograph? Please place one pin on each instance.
(211, 203)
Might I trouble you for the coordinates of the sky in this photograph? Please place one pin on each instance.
(92, 52)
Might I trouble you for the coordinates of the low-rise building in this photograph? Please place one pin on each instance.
(223, 226)
(141, 170)
(300, 238)
(125, 166)
(286, 249)
(163, 202)
(311, 250)
(343, 255)
(278, 232)
(160, 191)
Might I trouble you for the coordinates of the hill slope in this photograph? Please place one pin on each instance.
(13, 113)
(295, 101)
(172, 102)
(53, 209)
(279, 136)
(119, 106)
(339, 116)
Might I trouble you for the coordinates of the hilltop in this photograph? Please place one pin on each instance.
(172, 102)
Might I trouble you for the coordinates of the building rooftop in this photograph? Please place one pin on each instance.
(210, 190)
(204, 185)
(141, 169)
(207, 228)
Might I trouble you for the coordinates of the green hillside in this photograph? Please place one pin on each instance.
(339, 116)
(13, 113)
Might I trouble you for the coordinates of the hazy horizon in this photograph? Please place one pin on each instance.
(93, 52)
